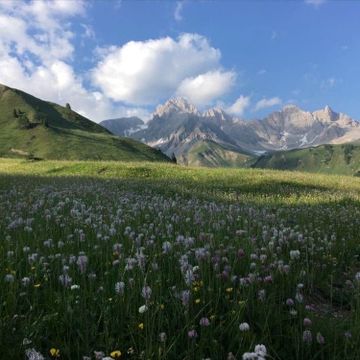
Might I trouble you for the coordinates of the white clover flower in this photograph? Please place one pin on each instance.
(294, 254)
(143, 309)
(120, 288)
(32, 354)
(244, 327)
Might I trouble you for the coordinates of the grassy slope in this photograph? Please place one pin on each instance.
(329, 159)
(211, 154)
(67, 136)
(260, 184)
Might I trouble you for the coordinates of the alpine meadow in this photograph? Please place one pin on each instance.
(174, 183)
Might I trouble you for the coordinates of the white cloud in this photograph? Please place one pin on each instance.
(315, 3)
(145, 72)
(204, 88)
(262, 72)
(266, 103)
(36, 50)
(239, 106)
(178, 10)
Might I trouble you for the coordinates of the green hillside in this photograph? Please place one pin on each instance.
(211, 154)
(33, 128)
(330, 159)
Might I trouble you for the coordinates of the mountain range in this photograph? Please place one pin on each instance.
(37, 129)
(216, 138)
(293, 139)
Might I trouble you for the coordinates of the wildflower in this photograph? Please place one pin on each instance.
(229, 290)
(320, 339)
(357, 277)
(244, 327)
(262, 294)
(204, 321)
(115, 354)
(9, 278)
(166, 247)
(258, 354)
(307, 322)
(162, 337)
(81, 262)
(37, 285)
(65, 280)
(25, 281)
(119, 288)
(146, 292)
(54, 352)
(290, 302)
(260, 350)
(130, 351)
(294, 254)
(307, 336)
(185, 297)
(99, 355)
(298, 297)
(197, 301)
(32, 354)
(143, 309)
(192, 334)
(75, 287)
(141, 326)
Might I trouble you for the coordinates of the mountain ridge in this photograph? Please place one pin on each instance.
(177, 125)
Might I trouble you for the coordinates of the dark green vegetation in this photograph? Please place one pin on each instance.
(32, 128)
(329, 159)
(85, 245)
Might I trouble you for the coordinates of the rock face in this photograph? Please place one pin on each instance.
(177, 126)
(124, 126)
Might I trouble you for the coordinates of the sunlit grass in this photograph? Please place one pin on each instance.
(158, 261)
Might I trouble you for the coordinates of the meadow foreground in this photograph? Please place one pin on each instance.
(156, 261)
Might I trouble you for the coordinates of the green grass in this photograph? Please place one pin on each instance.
(227, 235)
(328, 159)
(45, 130)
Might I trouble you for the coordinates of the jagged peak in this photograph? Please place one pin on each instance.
(214, 112)
(177, 104)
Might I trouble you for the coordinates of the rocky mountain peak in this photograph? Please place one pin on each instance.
(218, 114)
(326, 114)
(176, 105)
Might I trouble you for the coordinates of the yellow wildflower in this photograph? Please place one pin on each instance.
(115, 354)
(54, 352)
(141, 326)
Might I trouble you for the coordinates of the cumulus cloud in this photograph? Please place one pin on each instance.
(204, 88)
(36, 49)
(145, 72)
(239, 106)
(266, 103)
(37, 52)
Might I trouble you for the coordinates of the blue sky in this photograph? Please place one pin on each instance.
(118, 58)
